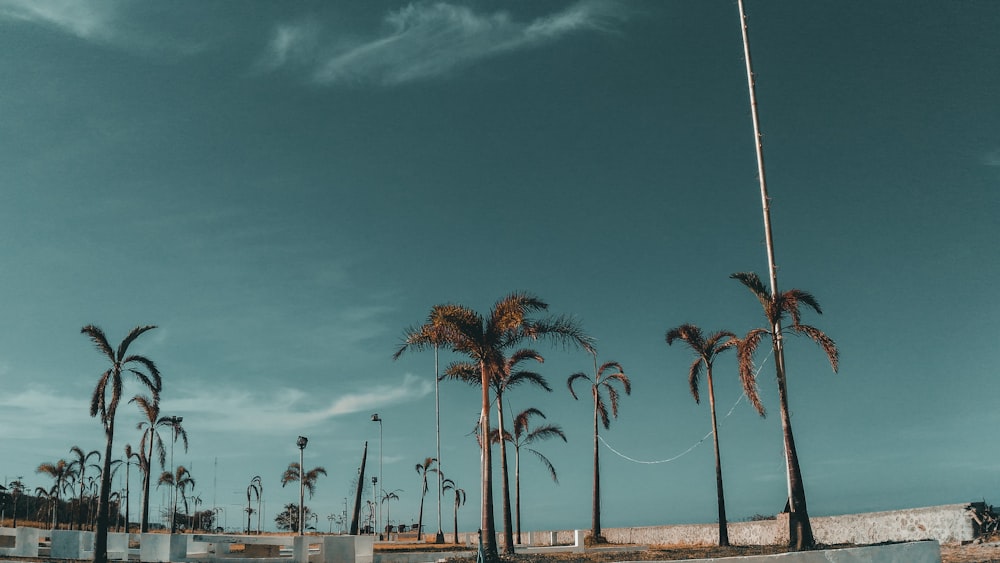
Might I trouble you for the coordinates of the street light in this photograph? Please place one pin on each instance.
(375, 418)
(301, 443)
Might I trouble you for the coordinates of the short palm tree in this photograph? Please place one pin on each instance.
(294, 474)
(61, 475)
(604, 377)
(778, 307)
(423, 469)
(104, 403)
(181, 480)
(151, 441)
(484, 339)
(507, 378)
(386, 497)
(50, 499)
(705, 351)
(449, 485)
(523, 436)
(78, 468)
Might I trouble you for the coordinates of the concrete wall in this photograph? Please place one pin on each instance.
(947, 524)
(919, 552)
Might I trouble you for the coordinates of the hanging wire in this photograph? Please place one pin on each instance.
(696, 444)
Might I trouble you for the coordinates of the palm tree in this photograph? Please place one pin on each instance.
(604, 377)
(181, 480)
(524, 437)
(16, 489)
(49, 497)
(776, 307)
(459, 500)
(129, 454)
(107, 407)
(484, 340)
(431, 333)
(294, 473)
(391, 495)
(423, 469)
(151, 440)
(78, 468)
(508, 377)
(61, 475)
(705, 352)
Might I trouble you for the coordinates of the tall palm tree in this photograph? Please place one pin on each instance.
(16, 489)
(152, 441)
(294, 474)
(78, 468)
(423, 469)
(705, 351)
(181, 480)
(459, 500)
(523, 436)
(484, 340)
(778, 306)
(604, 377)
(104, 402)
(431, 333)
(61, 475)
(508, 377)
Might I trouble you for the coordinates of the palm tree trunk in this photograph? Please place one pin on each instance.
(723, 527)
(144, 523)
(508, 529)
(517, 491)
(800, 535)
(101, 536)
(489, 529)
(420, 515)
(456, 521)
(595, 532)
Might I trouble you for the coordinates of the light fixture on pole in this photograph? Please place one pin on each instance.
(376, 418)
(301, 443)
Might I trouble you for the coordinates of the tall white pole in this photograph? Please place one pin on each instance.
(437, 415)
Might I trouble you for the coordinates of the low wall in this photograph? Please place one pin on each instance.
(950, 523)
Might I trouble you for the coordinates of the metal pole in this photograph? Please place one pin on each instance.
(437, 422)
(378, 419)
(301, 443)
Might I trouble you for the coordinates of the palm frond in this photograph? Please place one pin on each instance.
(520, 377)
(153, 381)
(753, 283)
(97, 399)
(620, 377)
(602, 411)
(793, 298)
(824, 341)
(467, 372)
(129, 338)
(521, 420)
(688, 333)
(548, 464)
(574, 377)
(744, 352)
(99, 339)
(694, 376)
(545, 432)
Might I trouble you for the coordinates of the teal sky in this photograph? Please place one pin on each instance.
(284, 187)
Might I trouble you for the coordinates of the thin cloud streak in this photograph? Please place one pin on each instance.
(428, 40)
(87, 20)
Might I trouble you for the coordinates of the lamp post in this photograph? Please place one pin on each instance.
(376, 418)
(375, 510)
(301, 443)
(174, 422)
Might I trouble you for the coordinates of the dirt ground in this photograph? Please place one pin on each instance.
(970, 553)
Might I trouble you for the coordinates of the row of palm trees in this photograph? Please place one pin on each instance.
(492, 341)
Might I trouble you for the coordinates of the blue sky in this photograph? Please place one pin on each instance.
(283, 188)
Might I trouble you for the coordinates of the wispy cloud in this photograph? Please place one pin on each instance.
(288, 409)
(992, 158)
(118, 23)
(425, 40)
(87, 20)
